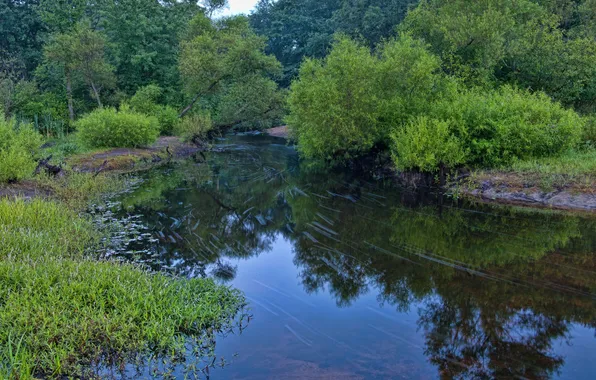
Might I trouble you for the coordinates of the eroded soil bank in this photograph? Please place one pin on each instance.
(577, 194)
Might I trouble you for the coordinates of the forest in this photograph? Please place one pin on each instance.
(431, 84)
(424, 86)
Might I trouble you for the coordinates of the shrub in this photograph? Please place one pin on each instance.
(145, 101)
(18, 147)
(589, 131)
(426, 144)
(194, 128)
(501, 126)
(494, 128)
(108, 128)
(342, 106)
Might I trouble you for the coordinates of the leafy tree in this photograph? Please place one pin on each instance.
(81, 51)
(21, 34)
(223, 61)
(295, 29)
(496, 41)
(349, 102)
(144, 42)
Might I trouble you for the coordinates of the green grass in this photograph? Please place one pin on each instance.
(63, 314)
(77, 190)
(571, 164)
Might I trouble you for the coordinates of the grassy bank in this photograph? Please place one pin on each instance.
(63, 313)
(574, 171)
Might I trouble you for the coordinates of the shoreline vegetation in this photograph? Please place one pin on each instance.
(500, 90)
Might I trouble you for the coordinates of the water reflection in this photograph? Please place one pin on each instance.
(496, 289)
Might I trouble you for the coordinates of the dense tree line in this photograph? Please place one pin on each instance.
(455, 83)
(437, 83)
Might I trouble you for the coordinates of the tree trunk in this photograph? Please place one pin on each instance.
(69, 96)
(96, 93)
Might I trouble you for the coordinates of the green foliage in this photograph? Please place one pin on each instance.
(145, 101)
(224, 68)
(107, 128)
(334, 105)
(494, 128)
(194, 127)
(507, 41)
(296, 29)
(342, 106)
(61, 314)
(426, 144)
(81, 51)
(19, 145)
(589, 132)
(37, 229)
(499, 127)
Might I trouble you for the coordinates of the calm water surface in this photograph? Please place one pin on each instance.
(351, 277)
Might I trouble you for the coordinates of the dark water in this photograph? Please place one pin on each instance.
(353, 278)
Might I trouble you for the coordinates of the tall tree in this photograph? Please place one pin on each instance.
(21, 34)
(81, 51)
(223, 63)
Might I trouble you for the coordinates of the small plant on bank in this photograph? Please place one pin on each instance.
(194, 128)
(108, 128)
(19, 145)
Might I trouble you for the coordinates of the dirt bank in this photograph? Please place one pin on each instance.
(279, 132)
(577, 194)
(109, 160)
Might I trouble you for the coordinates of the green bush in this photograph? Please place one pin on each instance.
(194, 128)
(501, 126)
(107, 128)
(344, 105)
(145, 101)
(493, 128)
(426, 144)
(589, 132)
(18, 148)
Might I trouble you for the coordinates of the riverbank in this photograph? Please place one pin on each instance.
(62, 314)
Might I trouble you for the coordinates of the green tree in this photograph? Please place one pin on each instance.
(81, 51)
(496, 41)
(346, 104)
(223, 62)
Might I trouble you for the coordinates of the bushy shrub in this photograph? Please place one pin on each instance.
(501, 126)
(426, 144)
(194, 127)
(108, 128)
(589, 132)
(493, 128)
(18, 146)
(145, 101)
(342, 106)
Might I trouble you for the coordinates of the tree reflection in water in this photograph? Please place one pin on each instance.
(497, 286)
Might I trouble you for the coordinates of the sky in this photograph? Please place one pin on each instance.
(239, 6)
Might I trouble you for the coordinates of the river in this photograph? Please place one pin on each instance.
(352, 277)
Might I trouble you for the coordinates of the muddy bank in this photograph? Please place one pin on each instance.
(560, 199)
(279, 132)
(125, 159)
(119, 160)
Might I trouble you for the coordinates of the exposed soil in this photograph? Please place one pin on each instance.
(117, 159)
(124, 159)
(279, 132)
(577, 194)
